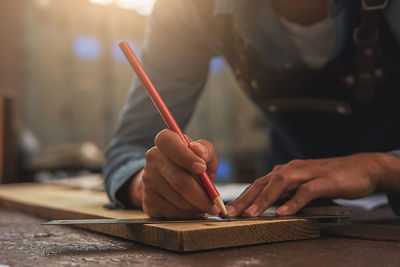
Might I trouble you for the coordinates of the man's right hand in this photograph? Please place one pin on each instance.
(169, 186)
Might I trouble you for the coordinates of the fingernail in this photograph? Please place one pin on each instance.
(251, 211)
(281, 210)
(202, 148)
(230, 210)
(198, 168)
(215, 210)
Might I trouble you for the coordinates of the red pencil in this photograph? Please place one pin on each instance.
(169, 119)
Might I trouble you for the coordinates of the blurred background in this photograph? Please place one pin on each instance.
(63, 82)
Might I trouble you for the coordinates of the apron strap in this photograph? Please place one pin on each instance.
(366, 37)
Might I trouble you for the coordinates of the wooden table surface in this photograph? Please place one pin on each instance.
(370, 239)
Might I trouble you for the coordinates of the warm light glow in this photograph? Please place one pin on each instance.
(143, 7)
(43, 3)
(102, 2)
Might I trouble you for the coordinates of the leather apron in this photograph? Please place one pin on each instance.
(338, 110)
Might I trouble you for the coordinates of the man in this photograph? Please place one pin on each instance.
(325, 73)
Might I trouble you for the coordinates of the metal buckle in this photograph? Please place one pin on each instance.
(369, 7)
(358, 40)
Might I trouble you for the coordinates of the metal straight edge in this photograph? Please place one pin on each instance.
(200, 220)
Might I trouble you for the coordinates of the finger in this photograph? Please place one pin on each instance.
(284, 179)
(276, 186)
(154, 180)
(205, 150)
(185, 184)
(171, 145)
(314, 189)
(285, 196)
(288, 177)
(154, 205)
(158, 167)
(232, 202)
(297, 172)
(236, 207)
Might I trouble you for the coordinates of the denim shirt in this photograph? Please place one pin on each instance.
(176, 53)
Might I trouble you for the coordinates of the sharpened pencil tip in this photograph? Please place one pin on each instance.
(220, 204)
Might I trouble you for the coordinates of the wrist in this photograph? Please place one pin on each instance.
(389, 178)
(135, 190)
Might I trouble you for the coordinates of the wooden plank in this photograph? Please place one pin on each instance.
(58, 202)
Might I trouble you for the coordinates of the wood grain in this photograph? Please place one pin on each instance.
(57, 202)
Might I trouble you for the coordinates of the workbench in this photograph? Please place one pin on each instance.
(369, 239)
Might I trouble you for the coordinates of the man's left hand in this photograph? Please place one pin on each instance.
(349, 177)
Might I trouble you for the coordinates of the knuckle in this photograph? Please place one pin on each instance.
(296, 203)
(277, 168)
(260, 181)
(280, 178)
(183, 187)
(174, 174)
(295, 163)
(151, 154)
(150, 181)
(262, 201)
(307, 189)
(146, 177)
(187, 163)
(161, 137)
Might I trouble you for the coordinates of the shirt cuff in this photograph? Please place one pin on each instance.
(118, 178)
(396, 152)
(394, 202)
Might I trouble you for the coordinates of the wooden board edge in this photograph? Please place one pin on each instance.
(44, 212)
(182, 241)
(257, 234)
(136, 233)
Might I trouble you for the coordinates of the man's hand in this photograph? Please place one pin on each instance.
(348, 177)
(168, 185)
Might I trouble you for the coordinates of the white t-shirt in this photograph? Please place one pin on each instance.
(314, 42)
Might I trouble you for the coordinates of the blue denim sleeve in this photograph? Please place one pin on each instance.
(394, 202)
(176, 57)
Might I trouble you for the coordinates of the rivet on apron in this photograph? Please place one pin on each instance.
(272, 108)
(237, 71)
(368, 52)
(365, 78)
(254, 84)
(378, 73)
(341, 109)
(349, 80)
(288, 66)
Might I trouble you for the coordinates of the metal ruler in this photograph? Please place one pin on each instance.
(200, 220)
